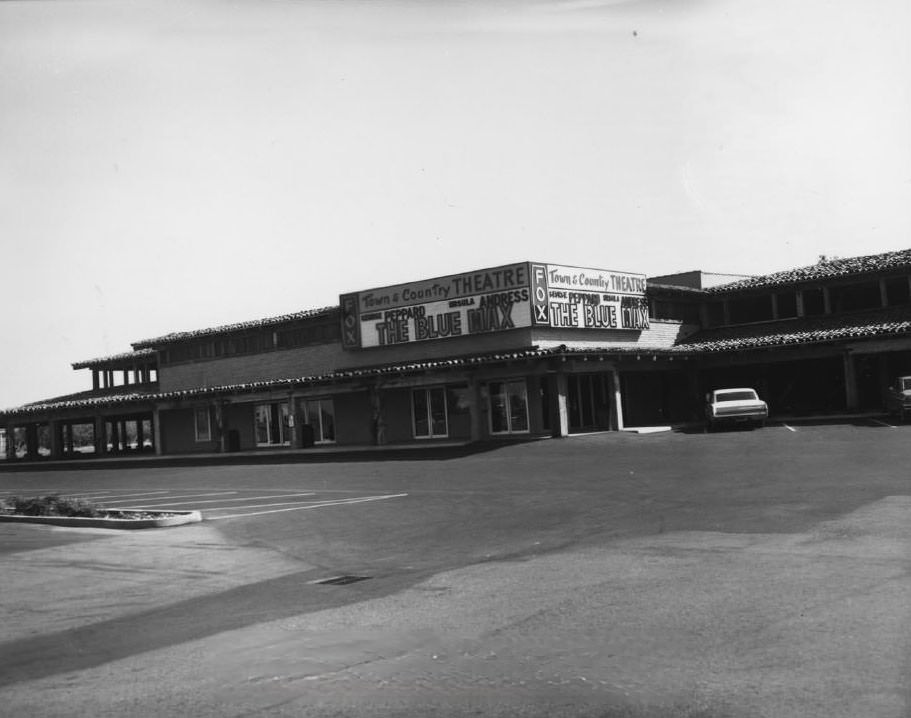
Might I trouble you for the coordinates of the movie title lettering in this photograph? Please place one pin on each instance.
(392, 331)
(438, 326)
(564, 315)
(490, 318)
(602, 316)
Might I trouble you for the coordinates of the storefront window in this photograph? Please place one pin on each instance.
(321, 416)
(271, 424)
(508, 407)
(428, 408)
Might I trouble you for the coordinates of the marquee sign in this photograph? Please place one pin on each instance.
(588, 298)
(492, 300)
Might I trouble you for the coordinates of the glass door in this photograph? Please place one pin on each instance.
(271, 424)
(508, 407)
(321, 417)
(429, 415)
(588, 402)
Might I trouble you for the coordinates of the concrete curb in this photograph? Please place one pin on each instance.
(174, 518)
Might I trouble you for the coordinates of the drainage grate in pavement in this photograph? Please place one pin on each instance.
(341, 580)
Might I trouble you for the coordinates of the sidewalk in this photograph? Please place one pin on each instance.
(391, 452)
(410, 452)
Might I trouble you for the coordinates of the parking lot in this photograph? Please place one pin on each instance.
(215, 505)
(737, 573)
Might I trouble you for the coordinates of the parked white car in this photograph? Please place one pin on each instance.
(898, 398)
(735, 406)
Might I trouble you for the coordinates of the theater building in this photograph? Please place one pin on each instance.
(523, 350)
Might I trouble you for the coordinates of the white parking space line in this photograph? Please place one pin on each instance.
(102, 494)
(94, 495)
(789, 428)
(176, 497)
(338, 502)
(160, 501)
(882, 423)
(260, 506)
(80, 494)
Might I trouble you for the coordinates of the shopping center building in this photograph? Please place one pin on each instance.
(524, 350)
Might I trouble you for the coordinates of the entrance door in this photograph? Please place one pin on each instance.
(508, 407)
(428, 409)
(271, 424)
(588, 402)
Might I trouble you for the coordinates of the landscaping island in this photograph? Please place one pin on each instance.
(72, 511)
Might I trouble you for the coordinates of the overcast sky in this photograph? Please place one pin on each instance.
(172, 166)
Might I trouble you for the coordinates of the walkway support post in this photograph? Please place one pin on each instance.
(55, 436)
(850, 382)
(617, 400)
(220, 425)
(10, 441)
(156, 430)
(100, 440)
(559, 388)
(31, 441)
(475, 410)
(377, 416)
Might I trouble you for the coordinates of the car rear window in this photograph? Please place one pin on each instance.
(735, 396)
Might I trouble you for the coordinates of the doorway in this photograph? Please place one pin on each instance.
(588, 402)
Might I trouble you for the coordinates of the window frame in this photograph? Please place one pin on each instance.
(273, 410)
(318, 428)
(428, 393)
(506, 383)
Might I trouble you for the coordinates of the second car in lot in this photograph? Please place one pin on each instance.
(735, 406)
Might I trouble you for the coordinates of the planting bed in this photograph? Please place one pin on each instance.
(75, 512)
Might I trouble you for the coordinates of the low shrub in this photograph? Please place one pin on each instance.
(51, 505)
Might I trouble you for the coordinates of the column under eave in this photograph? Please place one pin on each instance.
(560, 417)
(617, 402)
(475, 410)
(156, 430)
(220, 425)
(55, 437)
(100, 439)
(851, 401)
(10, 441)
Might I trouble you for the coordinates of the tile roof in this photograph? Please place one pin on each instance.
(125, 357)
(77, 402)
(238, 327)
(891, 321)
(827, 269)
(806, 330)
(95, 400)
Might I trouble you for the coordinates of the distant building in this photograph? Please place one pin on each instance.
(528, 349)
(696, 279)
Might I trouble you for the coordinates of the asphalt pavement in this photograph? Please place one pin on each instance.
(739, 573)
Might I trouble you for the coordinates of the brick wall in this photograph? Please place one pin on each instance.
(353, 419)
(278, 364)
(178, 434)
(324, 358)
(438, 349)
(660, 335)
